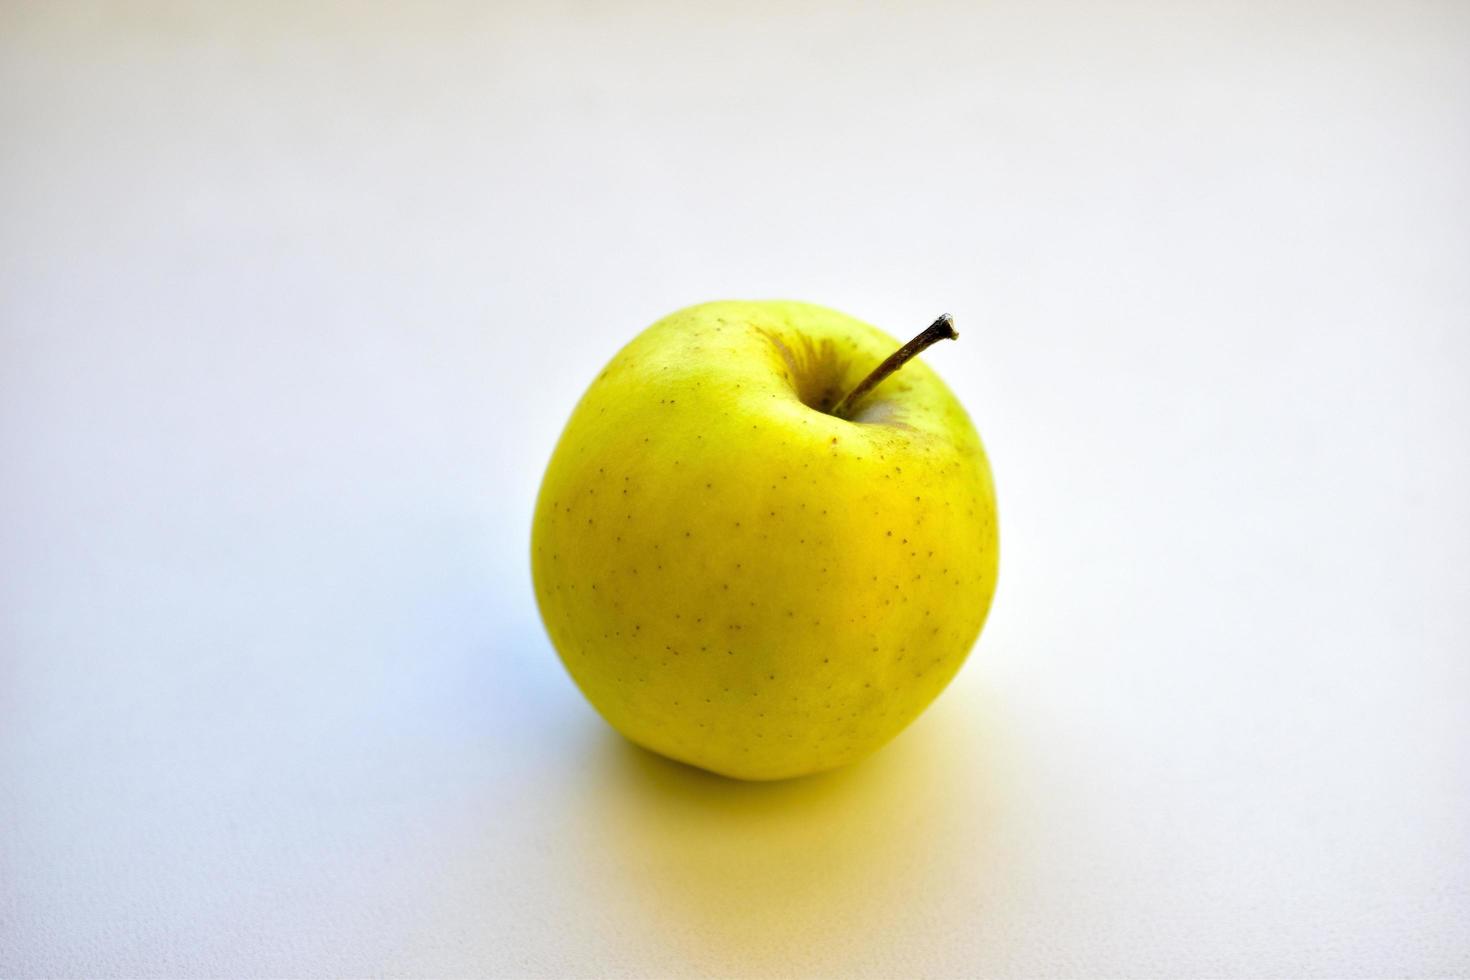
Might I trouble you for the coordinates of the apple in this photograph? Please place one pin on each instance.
(765, 541)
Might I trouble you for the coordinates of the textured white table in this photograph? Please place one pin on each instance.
(293, 304)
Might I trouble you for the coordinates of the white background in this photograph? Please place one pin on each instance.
(294, 302)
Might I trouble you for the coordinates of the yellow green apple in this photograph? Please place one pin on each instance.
(756, 551)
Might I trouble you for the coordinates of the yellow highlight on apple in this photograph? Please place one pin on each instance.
(766, 539)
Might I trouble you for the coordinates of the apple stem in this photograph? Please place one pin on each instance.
(940, 329)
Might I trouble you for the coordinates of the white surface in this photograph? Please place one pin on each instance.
(294, 305)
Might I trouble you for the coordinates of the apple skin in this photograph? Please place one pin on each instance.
(736, 579)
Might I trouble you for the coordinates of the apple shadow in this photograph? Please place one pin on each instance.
(798, 876)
